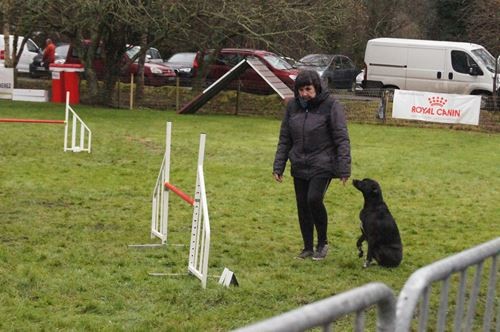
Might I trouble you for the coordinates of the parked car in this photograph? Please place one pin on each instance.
(250, 81)
(155, 74)
(185, 64)
(30, 50)
(337, 71)
(37, 67)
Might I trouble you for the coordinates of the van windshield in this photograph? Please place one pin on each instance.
(486, 58)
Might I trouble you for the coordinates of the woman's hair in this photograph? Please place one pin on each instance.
(308, 77)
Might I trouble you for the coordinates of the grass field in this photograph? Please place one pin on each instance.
(66, 219)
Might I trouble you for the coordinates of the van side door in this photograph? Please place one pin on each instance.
(426, 69)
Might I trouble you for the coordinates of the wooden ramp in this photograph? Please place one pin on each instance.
(274, 82)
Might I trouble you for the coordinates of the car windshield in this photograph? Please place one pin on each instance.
(131, 52)
(486, 58)
(277, 62)
(316, 60)
(182, 57)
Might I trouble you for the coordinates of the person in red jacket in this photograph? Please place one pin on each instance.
(49, 53)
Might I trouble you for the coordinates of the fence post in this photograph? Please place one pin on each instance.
(495, 85)
(131, 102)
(177, 93)
(383, 105)
(238, 98)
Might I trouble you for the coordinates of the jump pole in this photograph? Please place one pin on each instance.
(199, 247)
(84, 133)
(33, 121)
(200, 225)
(159, 199)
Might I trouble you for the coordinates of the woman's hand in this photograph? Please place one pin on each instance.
(344, 180)
(278, 177)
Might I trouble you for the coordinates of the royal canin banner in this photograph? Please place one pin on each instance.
(6, 83)
(436, 107)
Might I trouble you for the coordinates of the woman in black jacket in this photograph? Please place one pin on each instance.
(314, 137)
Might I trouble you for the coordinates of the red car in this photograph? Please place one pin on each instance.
(155, 74)
(250, 80)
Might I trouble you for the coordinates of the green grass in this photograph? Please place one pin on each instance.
(66, 219)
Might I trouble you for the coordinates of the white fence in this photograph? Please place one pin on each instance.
(403, 317)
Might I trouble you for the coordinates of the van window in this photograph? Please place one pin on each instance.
(461, 61)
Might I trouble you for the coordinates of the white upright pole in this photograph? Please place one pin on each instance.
(166, 178)
(66, 119)
(196, 252)
(201, 151)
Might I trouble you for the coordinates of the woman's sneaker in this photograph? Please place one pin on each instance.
(321, 252)
(305, 253)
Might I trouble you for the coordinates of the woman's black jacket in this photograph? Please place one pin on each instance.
(315, 139)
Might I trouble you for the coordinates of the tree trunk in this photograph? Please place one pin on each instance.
(140, 70)
(7, 53)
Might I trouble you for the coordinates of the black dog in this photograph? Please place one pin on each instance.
(378, 227)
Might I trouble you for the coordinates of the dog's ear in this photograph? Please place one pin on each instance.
(375, 188)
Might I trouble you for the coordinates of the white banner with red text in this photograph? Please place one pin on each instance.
(436, 107)
(6, 83)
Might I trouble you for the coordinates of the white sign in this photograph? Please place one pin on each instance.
(6, 82)
(436, 107)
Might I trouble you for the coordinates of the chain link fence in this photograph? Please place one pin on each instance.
(362, 106)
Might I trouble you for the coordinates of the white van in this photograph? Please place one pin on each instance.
(426, 65)
(30, 50)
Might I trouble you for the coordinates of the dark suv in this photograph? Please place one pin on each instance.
(250, 80)
(155, 74)
(336, 70)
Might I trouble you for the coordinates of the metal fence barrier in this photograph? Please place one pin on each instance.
(323, 313)
(418, 287)
(399, 317)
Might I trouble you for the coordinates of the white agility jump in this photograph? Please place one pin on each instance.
(200, 227)
(80, 132)
(81, 136)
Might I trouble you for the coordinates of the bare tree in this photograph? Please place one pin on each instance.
(482, 22)
(12, 25)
